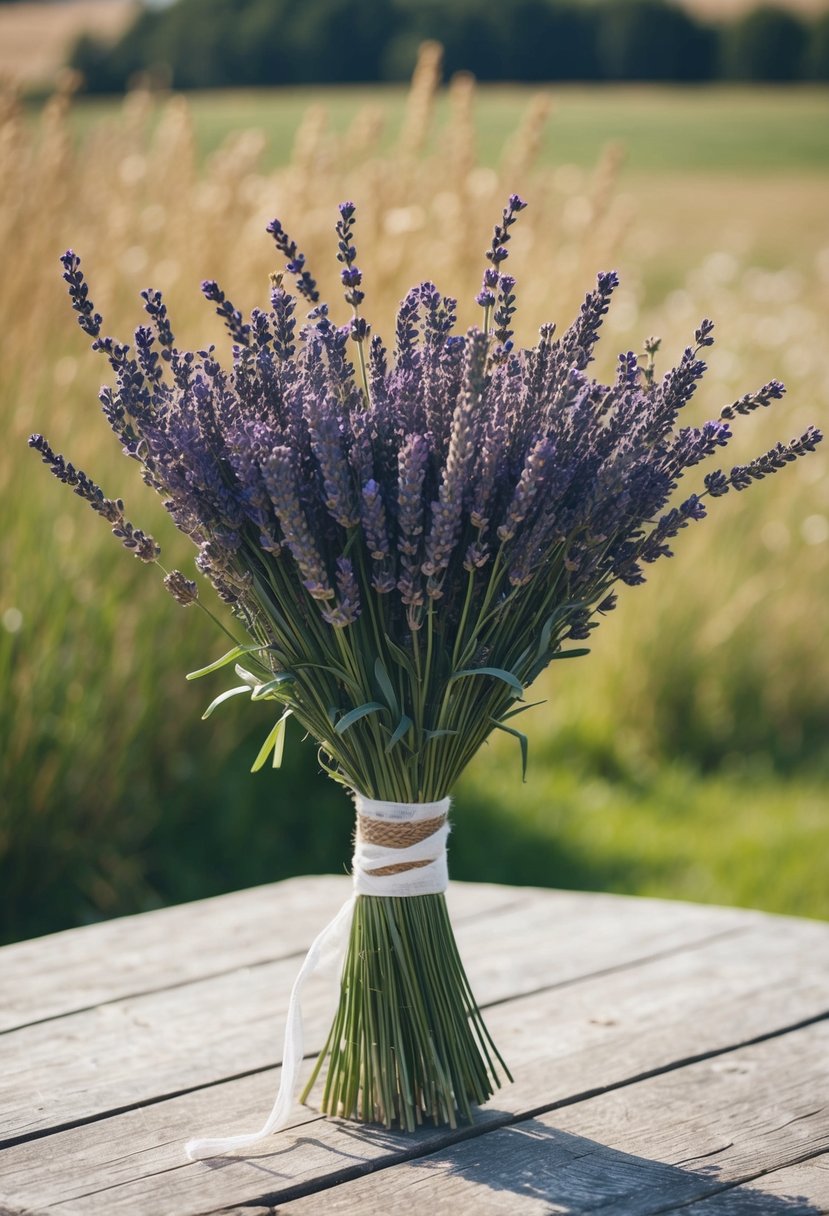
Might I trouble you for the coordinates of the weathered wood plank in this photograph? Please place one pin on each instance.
(130, 1051)
(54, 975)
(803, 1188)
(605, 1031)
(64, 972)
(649, 1148)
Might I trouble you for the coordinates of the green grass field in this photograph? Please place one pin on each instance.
(664, 131)
(686, 757)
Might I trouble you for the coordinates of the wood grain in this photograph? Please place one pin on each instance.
(65, 972)
(666, 1058)
(561, 1043)
(650, 1148)
(803, 1188)
(124, 1052)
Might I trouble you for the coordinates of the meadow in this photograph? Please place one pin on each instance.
(687, 756)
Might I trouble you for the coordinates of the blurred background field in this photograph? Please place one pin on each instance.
(687, 756)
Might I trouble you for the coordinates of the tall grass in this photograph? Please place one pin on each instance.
(113, 795)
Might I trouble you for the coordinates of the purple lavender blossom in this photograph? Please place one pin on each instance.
(741, 476)
(763, 397)
(148, 359)
(447, 511)
(281, 483)
(156, 309)
(183, 590)
(236, 327)
(412, 462)
(112, 510)
(530, 485)
(213, 563)
(669, 526)
(457, 480)
(89, 320)
(306, 286)
(326, 444)
(346, 607)
(495, 255)
(350, 276)
(504, 312)
(497, 251)
(576, 346)
(374, 521)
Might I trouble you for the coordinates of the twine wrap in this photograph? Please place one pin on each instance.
(400, 847)
(399, 851)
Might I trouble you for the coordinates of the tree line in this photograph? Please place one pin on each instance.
(200, 44)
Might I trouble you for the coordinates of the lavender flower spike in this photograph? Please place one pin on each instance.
(156, 309)
(326, 443)
(183, 590)
(347, 254)
(455, 468)
(411, 462)
(497, 251)
(306, 286)
(347, 606)
(236, 327)
(139, 543)
(764, 396)
(374, 521)
(495, 255)
(447, 511)
(530, 484)
(89, 320)
(280, 481)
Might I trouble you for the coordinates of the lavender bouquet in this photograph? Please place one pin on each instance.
(407, 540)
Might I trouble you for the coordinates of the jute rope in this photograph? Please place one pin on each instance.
(397, 836)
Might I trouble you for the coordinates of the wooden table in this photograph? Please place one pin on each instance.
(667, 1057)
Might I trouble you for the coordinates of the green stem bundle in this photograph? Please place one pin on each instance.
(408, 1041)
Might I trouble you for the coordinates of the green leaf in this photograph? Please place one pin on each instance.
(497, 673)
(385, 685)
(275, 743)
(405, 724)
(262, 691)
(570, 654)
(521, 709)
(235, 653)
(333, 773)
(279, 742)
(400, 656)
(250, 679)
(225, 696)
(547, 630)
(522, 739)
(354, 715)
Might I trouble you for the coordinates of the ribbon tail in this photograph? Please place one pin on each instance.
(328, 947)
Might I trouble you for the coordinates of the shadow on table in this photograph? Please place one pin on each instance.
(532, 1161)
(527, 1163)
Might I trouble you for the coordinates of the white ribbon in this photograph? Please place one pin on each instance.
(329, 947)
(428, 879)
